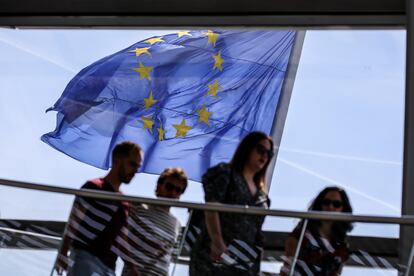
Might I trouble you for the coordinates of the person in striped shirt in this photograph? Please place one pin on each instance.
(94, 224)
(324, 248)
(152, 230)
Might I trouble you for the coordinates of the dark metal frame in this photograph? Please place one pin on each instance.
(238, 13)
(167, 13)
(407, 233)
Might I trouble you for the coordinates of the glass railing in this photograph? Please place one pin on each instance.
(29, 247)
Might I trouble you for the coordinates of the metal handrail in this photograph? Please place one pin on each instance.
(247, 210)
(28, 233)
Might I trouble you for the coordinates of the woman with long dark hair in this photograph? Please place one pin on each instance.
(230, 243)
(324, 248)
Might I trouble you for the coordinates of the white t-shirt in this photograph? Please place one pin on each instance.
(152, 233)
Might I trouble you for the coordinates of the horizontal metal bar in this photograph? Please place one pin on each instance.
(15, 231)
(199, 7)
(405, 220)
(191, 21)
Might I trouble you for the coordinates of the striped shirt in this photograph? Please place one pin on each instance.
(95, 223)
(317, 256)
(149, 240)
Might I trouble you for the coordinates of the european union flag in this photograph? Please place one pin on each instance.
(187, 98)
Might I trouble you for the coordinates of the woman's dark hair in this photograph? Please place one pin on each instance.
(242, 154)
(339, 229)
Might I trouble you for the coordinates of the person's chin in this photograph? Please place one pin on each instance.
(260, 166)
(127, 181)
(166, 197)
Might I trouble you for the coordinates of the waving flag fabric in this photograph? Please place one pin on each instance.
(187, 98)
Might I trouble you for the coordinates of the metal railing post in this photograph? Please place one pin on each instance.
(410, 268)
(180, 248)
(295, 257)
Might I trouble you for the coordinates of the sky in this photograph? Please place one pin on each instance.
(344, 127)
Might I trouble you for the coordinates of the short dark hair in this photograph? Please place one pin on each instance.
(177, 173)
(124, 149)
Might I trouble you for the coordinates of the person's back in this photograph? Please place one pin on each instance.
(97, 223)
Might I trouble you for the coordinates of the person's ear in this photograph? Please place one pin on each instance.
(157, 189)
(115, 163)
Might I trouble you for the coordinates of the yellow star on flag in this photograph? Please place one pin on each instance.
(212, 37)
(140, 51)
(182, 129)
(213, 88)
(148, 122)
(161, 133)
(183, 33)
(149, 101)
(144, 72)
(204, 115)
(218, 61)
(154, 40)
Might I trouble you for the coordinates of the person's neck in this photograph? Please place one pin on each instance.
(114, 180)
(248, 173)
(325, 229)
(162, 208)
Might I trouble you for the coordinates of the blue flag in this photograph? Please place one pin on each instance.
(187, 98)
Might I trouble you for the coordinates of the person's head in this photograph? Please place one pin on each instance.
(171, 183)
(332, 199)
(254, 152)
(126, 160)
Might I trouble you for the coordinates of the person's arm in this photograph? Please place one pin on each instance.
(126, 253)
(215, 184)
(290, 249)
(339, 271)
(133, 269)
(341, 256)
(62, 261)
(214, 231)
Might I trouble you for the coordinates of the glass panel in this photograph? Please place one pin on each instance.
(26, 262)
(322, 250)
(344, 126)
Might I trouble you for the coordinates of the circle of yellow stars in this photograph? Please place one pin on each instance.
(144, 72)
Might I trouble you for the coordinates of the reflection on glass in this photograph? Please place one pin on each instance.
(344, 127)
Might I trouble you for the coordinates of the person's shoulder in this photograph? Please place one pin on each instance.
(219, 168)
(173, 218)
(175, 222)
(297, 231)
(222, 166)
(138, 207)
(94, 184)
